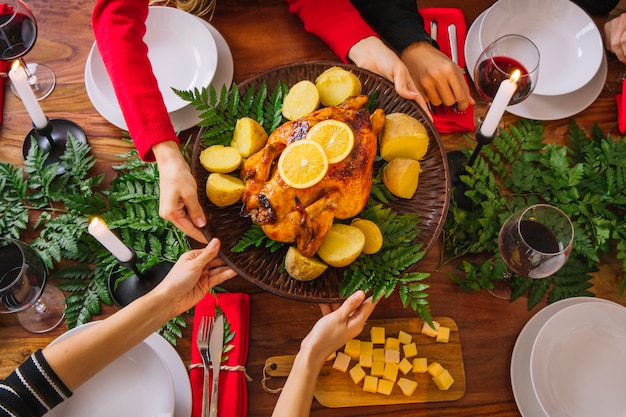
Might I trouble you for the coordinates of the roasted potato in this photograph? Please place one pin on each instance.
(303, 98)
(223, 189)
(401, 177)
(248, 137)
(336, 84)
(220, 158)
(372, 233)
(403, 136)
(342, 245)
(301, 268)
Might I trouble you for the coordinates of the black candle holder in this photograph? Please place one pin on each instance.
(458, 162)
(139, 283)
(52, 139)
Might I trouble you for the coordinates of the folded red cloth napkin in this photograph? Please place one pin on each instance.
(4, 65)
(447, 119)
(621, 108)
(233, 386)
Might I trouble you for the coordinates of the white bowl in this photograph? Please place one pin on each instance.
(569, 42)
(578, 361)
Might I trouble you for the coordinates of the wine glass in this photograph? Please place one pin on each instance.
(534, 242)
(23, 290)
(18, 32)
(509, 64)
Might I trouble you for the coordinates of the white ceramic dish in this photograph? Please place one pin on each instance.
(569, 42)
(102, 96)
(525, 398)
(536, 106)
(578, 361)
(136, 384)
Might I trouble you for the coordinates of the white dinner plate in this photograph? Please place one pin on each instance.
(527, 403)
(136, 384)
(100, 90)
(540, 107)
(578, 361)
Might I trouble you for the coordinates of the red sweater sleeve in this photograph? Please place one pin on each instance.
(119, 27)
(336, 22)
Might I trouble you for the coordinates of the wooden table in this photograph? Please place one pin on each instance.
(262, 34)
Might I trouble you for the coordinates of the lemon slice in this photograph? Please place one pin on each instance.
(336, 138)
(303, 164)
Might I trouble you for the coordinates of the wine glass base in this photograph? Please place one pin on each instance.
(133, 287)
(53, 140)
(502, 290)
(47, 312)
(42, 80)
(457, 161)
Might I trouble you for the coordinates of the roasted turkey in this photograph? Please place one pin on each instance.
(305, 215)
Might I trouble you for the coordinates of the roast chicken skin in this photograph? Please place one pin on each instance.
(304, 216)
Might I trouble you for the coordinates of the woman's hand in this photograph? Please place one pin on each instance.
(615, 36)
(179, 202)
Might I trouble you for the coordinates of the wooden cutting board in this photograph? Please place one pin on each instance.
(335, 389)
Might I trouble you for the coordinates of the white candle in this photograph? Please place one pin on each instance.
(20, 81)
(498, 106)
(98, 229)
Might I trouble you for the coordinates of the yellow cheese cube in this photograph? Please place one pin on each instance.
(353, 349)
(378, 335)
(404, 337)
(435, 368)
(342, 361)
(378, 369)
(405, 366)
(391, 371)
(385, 387)
(378, 355)
(366, 348)
(410, 350)
(392, 343)
(365, 361)
(420, 365)
(370, 384)
(392, 356)
(429, 331)
(444, 380)
(443, 334)
(407, 386)
(357, 374)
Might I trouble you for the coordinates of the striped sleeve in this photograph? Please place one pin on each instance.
(33, 389)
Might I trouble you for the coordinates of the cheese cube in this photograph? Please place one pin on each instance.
(391, 371)
(392, 356)
(385, 387)
(332, 356)
(365, 361)
(370, 384)
(443, 334)
(392, 343)
(353, 349)
(407, 386)
(410, 350)
(378, 355)
(342, 361)
(429, 331)
(444, 380)
(378, 369)
(357, 374)
(405, 366)
(435, 368)
(366, 348)
(404, 337)
(420, 365)
(378, 335)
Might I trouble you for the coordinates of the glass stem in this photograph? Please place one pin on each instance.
(32, 78)
(40, 307)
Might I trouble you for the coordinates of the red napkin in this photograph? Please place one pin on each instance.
(447, 119)
(233, 388)
(4, 65)
(621, 108)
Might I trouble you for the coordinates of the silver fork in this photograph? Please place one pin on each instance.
(202, 341)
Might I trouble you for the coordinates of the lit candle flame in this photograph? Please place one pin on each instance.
(515, 76)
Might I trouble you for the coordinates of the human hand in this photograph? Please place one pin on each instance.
(334, 329)
(179, 202)
(615, 36)
(192, 276)
(439, 79)
(373, 55)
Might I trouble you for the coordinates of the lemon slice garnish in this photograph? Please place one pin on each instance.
(336, 138)
(303, 164)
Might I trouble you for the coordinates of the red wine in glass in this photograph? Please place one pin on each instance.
(492, 71)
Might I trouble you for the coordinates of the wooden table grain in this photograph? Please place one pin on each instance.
(262, 34)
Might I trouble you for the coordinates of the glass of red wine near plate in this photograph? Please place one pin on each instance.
(505, 73)
(535, 242)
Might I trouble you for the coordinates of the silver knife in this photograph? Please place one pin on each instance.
(454, 51)
(216, 343)
(433, 30)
